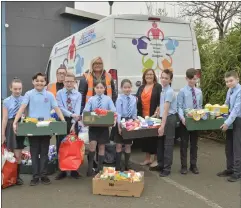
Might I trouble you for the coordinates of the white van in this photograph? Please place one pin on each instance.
(129, 44)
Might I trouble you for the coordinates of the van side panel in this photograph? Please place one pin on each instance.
(77, 51)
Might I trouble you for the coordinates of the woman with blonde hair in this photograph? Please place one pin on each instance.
(91, 76)
(96, 73)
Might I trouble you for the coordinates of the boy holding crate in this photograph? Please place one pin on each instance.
(233, 136)
(189, 97)
(40, 103)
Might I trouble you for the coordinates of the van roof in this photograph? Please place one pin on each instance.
(143, 17)
(138, 17)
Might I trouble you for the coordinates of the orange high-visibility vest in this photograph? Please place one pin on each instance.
(90, 82)
(52, 88)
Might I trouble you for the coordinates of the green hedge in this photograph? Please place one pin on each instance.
(217, 57)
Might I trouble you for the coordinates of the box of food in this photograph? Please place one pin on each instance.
(40, 128)
(210, 124)
(140, 128)
(140, 133)
(118, 185)
(98, 120)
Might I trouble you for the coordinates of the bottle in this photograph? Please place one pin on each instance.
(22, 118)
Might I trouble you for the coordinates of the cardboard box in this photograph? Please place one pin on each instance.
(141, 133)
(210, 124)
(98, 121)
(30, 129)
(117, 188)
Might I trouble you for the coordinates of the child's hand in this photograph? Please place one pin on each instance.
(184, 121)
(119, 130)
(161, 131)
(15, 128)
(115, 120)
(3, 138)
(75, 117)
(73, 128)
(224, 127)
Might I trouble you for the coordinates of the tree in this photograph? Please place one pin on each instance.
(153, 10)
(220, 12)
(161, 12)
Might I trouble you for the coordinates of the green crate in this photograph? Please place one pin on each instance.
(210, 124)
(140, 133)
(30, 129)
(95, 120)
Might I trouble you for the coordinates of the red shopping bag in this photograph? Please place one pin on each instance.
(71, 153)
(9, 168)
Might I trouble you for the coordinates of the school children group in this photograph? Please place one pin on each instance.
(67, 104)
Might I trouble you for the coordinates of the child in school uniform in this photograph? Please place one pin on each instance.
(69, 101)
(168, 109)
(10, 108)
(126, 107)
(98, 135)
(40, 103)
(189, 97)
(233, 136)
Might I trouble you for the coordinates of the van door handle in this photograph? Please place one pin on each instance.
(113, 44)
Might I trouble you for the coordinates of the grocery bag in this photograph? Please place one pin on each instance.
(26, 142)
(71, 153)
(110, 153)
(83, 132)
(9, 168)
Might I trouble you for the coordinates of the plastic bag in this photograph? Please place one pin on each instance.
(54, 115)
(71, 153)
(110, 153)
(26, 142)
(9, 168)
(83, 132)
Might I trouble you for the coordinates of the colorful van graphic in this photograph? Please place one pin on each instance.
(156, 49)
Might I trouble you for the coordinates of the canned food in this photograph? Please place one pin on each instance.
(225, 115)
(41, 119)
(212, 115)
(205, 116)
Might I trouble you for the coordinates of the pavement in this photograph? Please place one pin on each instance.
(205, 190)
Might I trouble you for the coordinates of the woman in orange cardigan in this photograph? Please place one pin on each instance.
(148, 103)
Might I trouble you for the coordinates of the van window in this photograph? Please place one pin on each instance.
(48, 71)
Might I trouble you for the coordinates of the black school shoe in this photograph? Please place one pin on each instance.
(225, 173)
(156, 168)
(45, 180)
(34, 182)
(234, 178)
(183, 170)
(91, 173)
(61, 175)
(19, 182)
(194, 170)
(75, 174)
(164, 173)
